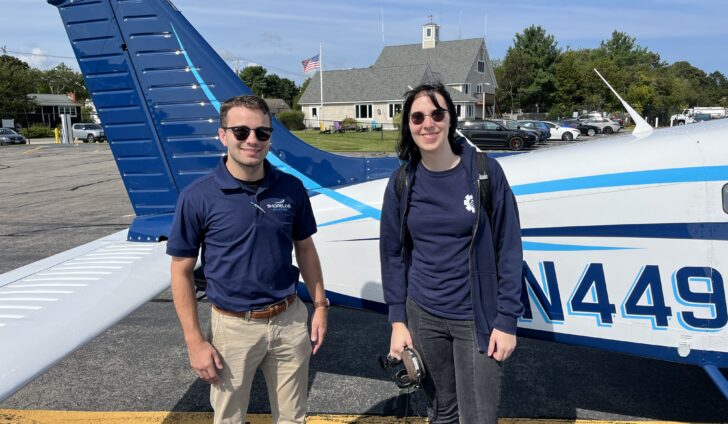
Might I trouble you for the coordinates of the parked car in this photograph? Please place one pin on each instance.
(488, 133)
(8, 136)
(88, 132)
(588, 116)
(513, 125)
(562, 133)
(584, 129)
(606, 126)
(544, 130)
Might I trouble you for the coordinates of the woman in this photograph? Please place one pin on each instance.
(451, 277)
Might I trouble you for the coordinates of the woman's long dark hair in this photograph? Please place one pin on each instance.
(406, 147)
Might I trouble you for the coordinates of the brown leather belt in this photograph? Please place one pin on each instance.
(265, 313)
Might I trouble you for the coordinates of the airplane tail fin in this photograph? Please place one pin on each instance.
(157, 87)
(642, 128)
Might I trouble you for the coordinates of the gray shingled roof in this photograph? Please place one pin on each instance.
(53, 100)
(373, 85)
(364, 84)
(452, 59)
(397, 69)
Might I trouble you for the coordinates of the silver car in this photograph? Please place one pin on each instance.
(606, 126)
(89, 133)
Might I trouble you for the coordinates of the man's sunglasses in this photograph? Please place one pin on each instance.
(242, 132)
(437, 115)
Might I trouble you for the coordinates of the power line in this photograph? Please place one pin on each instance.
(228, 59)
(39, 54)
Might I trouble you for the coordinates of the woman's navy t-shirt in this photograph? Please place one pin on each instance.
(440, 221)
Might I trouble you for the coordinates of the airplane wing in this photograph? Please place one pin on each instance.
(51, 307)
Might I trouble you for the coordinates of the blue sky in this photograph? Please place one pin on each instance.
(278, 34)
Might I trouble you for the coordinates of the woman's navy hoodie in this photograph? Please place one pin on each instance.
(496, 255)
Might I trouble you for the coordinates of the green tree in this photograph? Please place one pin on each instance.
(527, 75)
(62, 80)
(16, 82)
(270, 86)
(253, 77)
(298, 95)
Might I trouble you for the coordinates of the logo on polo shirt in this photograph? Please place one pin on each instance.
(469, 203)
(279, 205)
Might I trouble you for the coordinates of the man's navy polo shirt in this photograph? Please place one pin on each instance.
(247, 239)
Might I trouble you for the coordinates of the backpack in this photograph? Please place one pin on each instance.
(485, 196)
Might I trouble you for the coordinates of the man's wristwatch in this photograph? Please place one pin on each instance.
(321, 303)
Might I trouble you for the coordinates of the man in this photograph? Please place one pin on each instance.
(247, 217)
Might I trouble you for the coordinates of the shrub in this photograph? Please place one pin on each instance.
(349, 123)
(37, 131)
(397, 119)
(291, 119)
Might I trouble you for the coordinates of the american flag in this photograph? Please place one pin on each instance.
(311, 64)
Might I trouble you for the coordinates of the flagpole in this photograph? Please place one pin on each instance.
(321, 79)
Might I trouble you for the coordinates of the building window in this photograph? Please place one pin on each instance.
(466, 88)
(70, 110)
(363, 111)
(459, 110)
(481, 66)
(394, 108)
(314, 112)
(470, 111)
(429, 32)
(478, 88)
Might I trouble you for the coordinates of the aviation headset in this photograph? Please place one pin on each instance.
(411, 370)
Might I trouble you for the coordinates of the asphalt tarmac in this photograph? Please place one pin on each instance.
(54, 197)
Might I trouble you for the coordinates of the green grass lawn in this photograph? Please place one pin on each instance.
(376, 141)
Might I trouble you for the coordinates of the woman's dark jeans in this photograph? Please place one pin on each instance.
(462, 383)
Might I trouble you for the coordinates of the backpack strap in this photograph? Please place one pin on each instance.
(400, 180)
(484, 178)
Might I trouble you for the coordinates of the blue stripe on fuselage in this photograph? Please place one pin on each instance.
(655, 176)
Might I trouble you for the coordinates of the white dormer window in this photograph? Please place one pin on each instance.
(481, 66)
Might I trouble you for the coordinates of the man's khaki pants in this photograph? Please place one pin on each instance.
(280, 346)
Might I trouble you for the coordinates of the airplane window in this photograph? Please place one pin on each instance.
(725, 198)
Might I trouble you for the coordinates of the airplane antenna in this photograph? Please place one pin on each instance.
(460, 28)
(642, 128)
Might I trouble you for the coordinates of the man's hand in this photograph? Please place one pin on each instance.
(205, 361)
(318, 327)
(401, 338)
(501, 345)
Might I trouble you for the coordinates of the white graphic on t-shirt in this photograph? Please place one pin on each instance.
(469, 203)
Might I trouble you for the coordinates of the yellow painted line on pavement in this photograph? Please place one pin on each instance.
(17, 416)
(32, 150)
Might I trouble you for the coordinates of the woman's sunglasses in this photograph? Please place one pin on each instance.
(437, 115)
(242, 132)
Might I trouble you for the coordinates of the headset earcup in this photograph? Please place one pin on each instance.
(402, 379)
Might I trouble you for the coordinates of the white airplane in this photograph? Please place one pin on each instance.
(625, 239)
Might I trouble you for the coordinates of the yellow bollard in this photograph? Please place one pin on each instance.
(57, 133)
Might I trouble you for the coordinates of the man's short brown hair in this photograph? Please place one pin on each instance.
(247, 101)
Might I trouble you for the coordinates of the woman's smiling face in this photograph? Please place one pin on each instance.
(430, 136)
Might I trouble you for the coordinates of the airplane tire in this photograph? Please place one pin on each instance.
(567, 136)
(516, 143)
